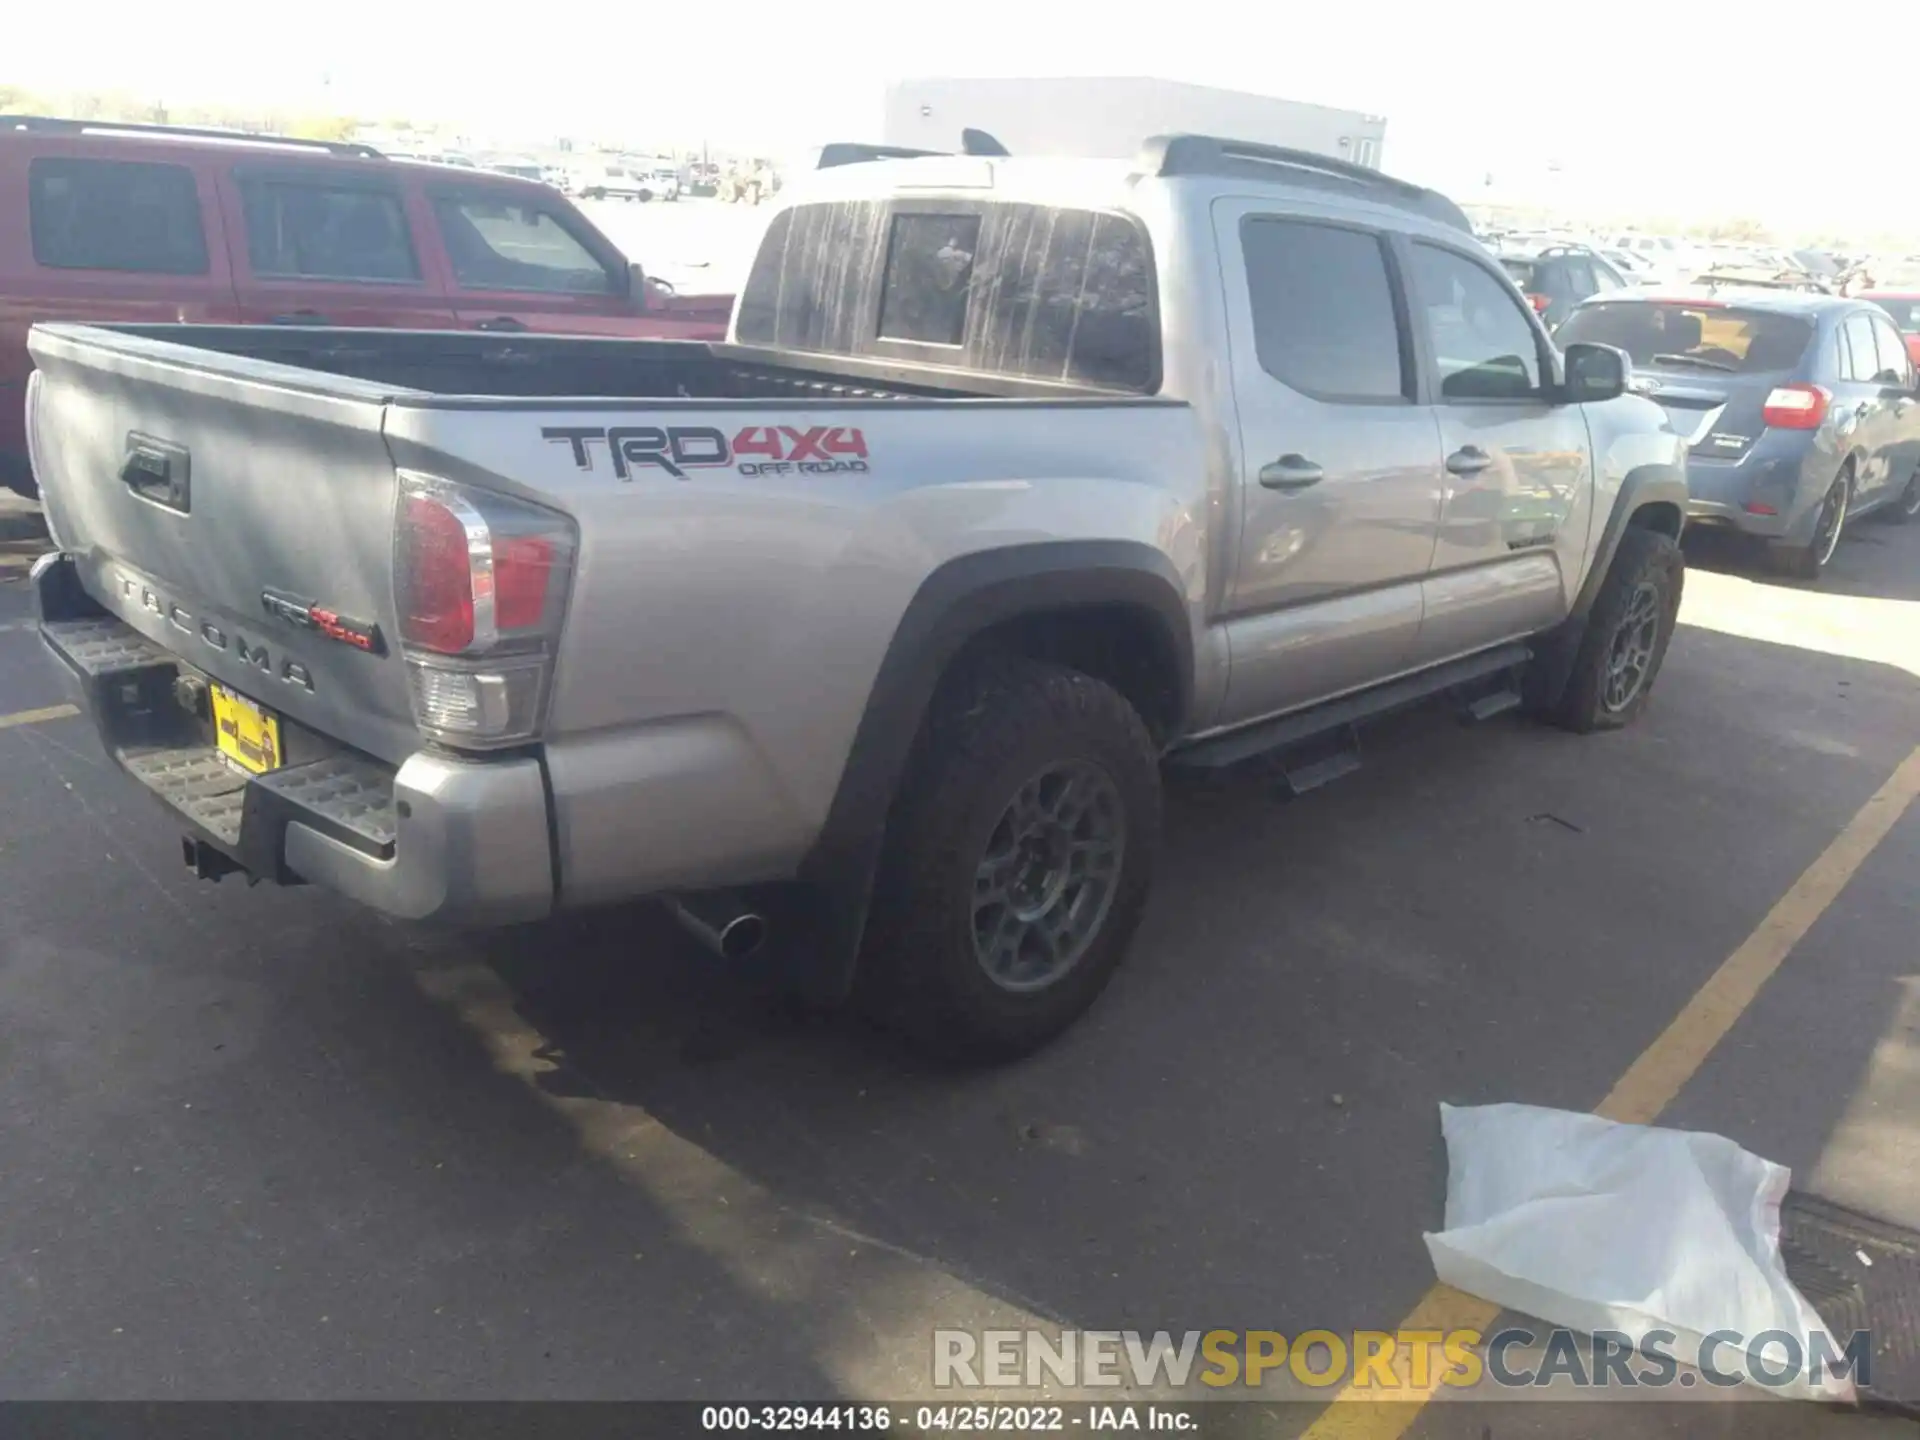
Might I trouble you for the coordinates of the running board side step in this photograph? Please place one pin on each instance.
(1339, 718)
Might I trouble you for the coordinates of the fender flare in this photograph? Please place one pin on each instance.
(1643, 486)
(955, 604)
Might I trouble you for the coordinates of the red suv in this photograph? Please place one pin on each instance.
(149, 223)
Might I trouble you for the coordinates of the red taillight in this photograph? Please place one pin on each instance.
(480, 581)
(1796, 407)
(522, 570)
(436, 574)
(1539, 303)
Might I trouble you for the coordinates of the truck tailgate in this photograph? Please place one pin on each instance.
(216, 504)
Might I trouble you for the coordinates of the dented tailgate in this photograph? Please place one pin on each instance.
(236, 512)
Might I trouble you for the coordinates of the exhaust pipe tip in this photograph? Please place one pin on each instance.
(743, 936)
(722, 922)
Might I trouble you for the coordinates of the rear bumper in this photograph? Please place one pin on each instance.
(434, 839)
(1768, 492)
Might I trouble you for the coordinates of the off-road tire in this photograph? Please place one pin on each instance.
(1645, 557)
(989, 730)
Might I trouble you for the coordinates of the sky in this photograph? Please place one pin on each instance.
(1695, 108)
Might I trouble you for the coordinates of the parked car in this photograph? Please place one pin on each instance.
(1634, 269)
(1559, 277)
(1671, 259)
(1255, 446)
(1731, 277)
(627, 181)
(1799, 408)
(662, 182)
(1903, 308)
(145, 223)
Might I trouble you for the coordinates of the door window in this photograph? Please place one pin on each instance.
(327, 232)
(1324, 320)
(116, 215)
(1605, 278)
(1860, 358)
(1484, 346)
(499, 243)
(1894, 366)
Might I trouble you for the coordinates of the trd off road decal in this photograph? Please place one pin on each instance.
(754, 450)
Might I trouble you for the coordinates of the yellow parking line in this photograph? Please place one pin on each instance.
(34, 717)
(1653, 1080)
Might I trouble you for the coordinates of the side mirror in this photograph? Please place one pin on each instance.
(637, 283)
(1595, 372)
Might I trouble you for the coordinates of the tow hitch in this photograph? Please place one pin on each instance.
(207, 863)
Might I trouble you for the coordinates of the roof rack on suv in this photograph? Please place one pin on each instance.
(49, 124)
(1215, 155)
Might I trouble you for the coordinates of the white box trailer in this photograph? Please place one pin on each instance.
(1108, 118)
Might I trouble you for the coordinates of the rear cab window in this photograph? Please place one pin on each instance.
(133, 217)
(1686, 335)
(327, 230)
(999, 288)
(499, 241)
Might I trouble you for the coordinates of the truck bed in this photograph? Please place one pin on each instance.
(747, 536)
(494, 367)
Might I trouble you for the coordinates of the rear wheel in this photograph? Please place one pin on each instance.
(1018, 860)
(1809, 561)
(1906, 509)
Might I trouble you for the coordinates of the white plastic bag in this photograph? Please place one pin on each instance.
(1599, 1226)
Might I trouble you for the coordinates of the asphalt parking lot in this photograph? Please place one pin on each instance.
(259, 1143)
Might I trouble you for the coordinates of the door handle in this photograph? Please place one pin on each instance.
(1468, 460)
(1291, 472)
(299, 317)
(500, 322)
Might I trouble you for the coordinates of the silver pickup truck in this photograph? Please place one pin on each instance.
(1016, 481)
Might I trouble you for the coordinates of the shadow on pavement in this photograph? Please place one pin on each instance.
(1877, 560)
(1243, 1134)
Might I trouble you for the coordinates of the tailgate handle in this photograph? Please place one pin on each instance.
(158, 470)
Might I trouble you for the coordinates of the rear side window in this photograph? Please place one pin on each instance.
(500, 244)
(116, 215)
(1027, 291)
(1323, 309)
(1865, 360)
(327, 232)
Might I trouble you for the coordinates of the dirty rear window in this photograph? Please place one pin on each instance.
(1031, 291)
(1704, 337)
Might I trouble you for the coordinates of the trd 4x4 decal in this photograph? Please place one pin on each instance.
(753, 450)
